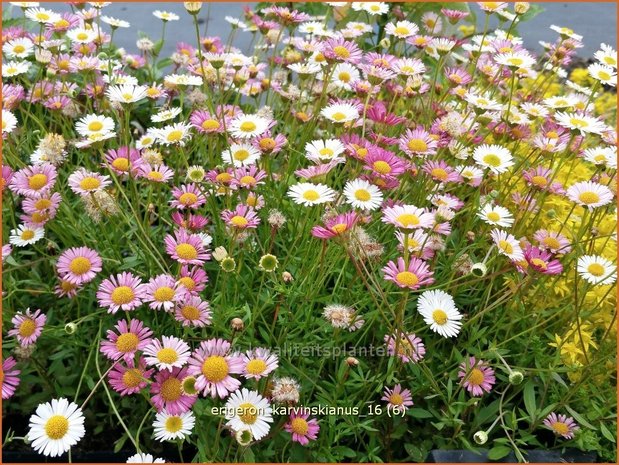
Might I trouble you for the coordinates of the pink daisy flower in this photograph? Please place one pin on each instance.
(476, 376)
(7, 175)
(44, 203)
(383, 163)
(258, 363)
(440, 171)
(242, 217)
(33, 180)
(541, 261)
(168, 394)
(161, 292)
(157, 173)
(187, 196)
(10, 378)
(553, 241)
(248, 177)
(191, 310)
(171, 352)
(220, 178)
(213, 363)
(342, 50)
(124, 160)
(418, 142)
(267, 144)
(79, 265)
(192, 222)
(335, 226)
(408, 217)
(561, 425)
(57, 102)
(457, 76)
(66, 289)
(131, 337)
(84, 182)
(121, 292)
(398, 398)
(205, 123)
(317, 171)
(417, 273)
(193, 279)
(27, 326)
(303, 430)
(407, 346)
(186, 248)
(129, 379)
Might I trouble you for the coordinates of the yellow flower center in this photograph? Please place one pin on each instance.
(121, 164)
(132, 377)
(82, 36)
(122, 295)
(539, 263)
(95, 126)
(19, 49)
(247, 126)
(610, 60)
(417, 145)
(408, 219)
(341, 51)
(362, 195)
(171, 390)
(80, 265)
(603, 75)
(89, 183)
(407, 278)
(560, 428)
(241, 155)
(515, 61)
(339, 228)
(239, 221)
(338, 116)
(326, 152)
(190, 312)
(27, 328)
(248, 180)
(56, 427)
(493, 216)
(476, 377)
(256, 366)
(127, 342)
(267, 143)
(401, 31)
(127, 97)
(27, 234)
(248, 413)
(439, 173)
(188, 198)
(175, 136)
(173, 424)
(344, 76)
(39, 217)
(163, 294)
(596, 269)
(167, 355)
(215, 368)
(589, 198)
(188, 282)
(42, 16)
(382, 167)
(37, 181)
(396, 399)
(299, 426)
(492, 160)
(506, 247)
(578, 123)
(311, 195)
(186, 251)
(155, 176)
(439, 317)
(551, 242)
(539, 181)
(62, 23)
(210, 124)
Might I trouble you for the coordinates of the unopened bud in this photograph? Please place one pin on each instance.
(352, 361)
(481, 437)
(237, 324)
(70, 328)
(521, 7)
(385, 43)
(220, 253)
(192, 7)
(479, 269)
(516, 377)
(287, 277)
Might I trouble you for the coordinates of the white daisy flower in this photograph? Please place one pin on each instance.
(9, 122)
(534, 109)
(56, 427)
(120, 79)
(590, 194)
(126, 93)
(373, 8)
(414, 241)
(305, 69)
(561, 101)
(343, 76)
(596, 270)
(321, 150)
(483, 102)
(340, 112)
(363, 194)
(604, 74)
(606, 55)
(94, 124)
(165, 15)
(237, 60)
(247, 409)
(602, 156)
(25, 235)
(170, 427)
(15, 68)
(165, 114)
(144, 458)
(145, 141)
(42, 15)
(496, 215)
(579, 122)
(168, 353)
(312, 27)
(25, 4)
(246, 126)
(515, 60)
(18, 48)
(115, 23)
(507, 245)
(172, 134)
(409, 66)
(308, 194)
(235, 22)
(183, 80)
(402, 29)
(494, 157)
(241, 155)
(438, 310)
(82, 35)
(566, 32)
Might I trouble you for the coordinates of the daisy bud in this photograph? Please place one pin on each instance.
(521, 7)
(516, 377)
(385, 43)
(470, 235)
(220, 253)
(196, 173)
(70, 328)
(145, 44)
(237, 324)
(192, 7)
(551, 214)
(228, 264)
(594, 231)
(243, 437)
(352, 361)
(481, 437)
(188, 386)
(479, 269)
(268, 263)
(102, 56)
(43, 56)
(287, 277)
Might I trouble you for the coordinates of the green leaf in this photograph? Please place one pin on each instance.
(529, 400)
(579, 418)
(498, 452)
(606, 433)
(419, 413)
(248, 456)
